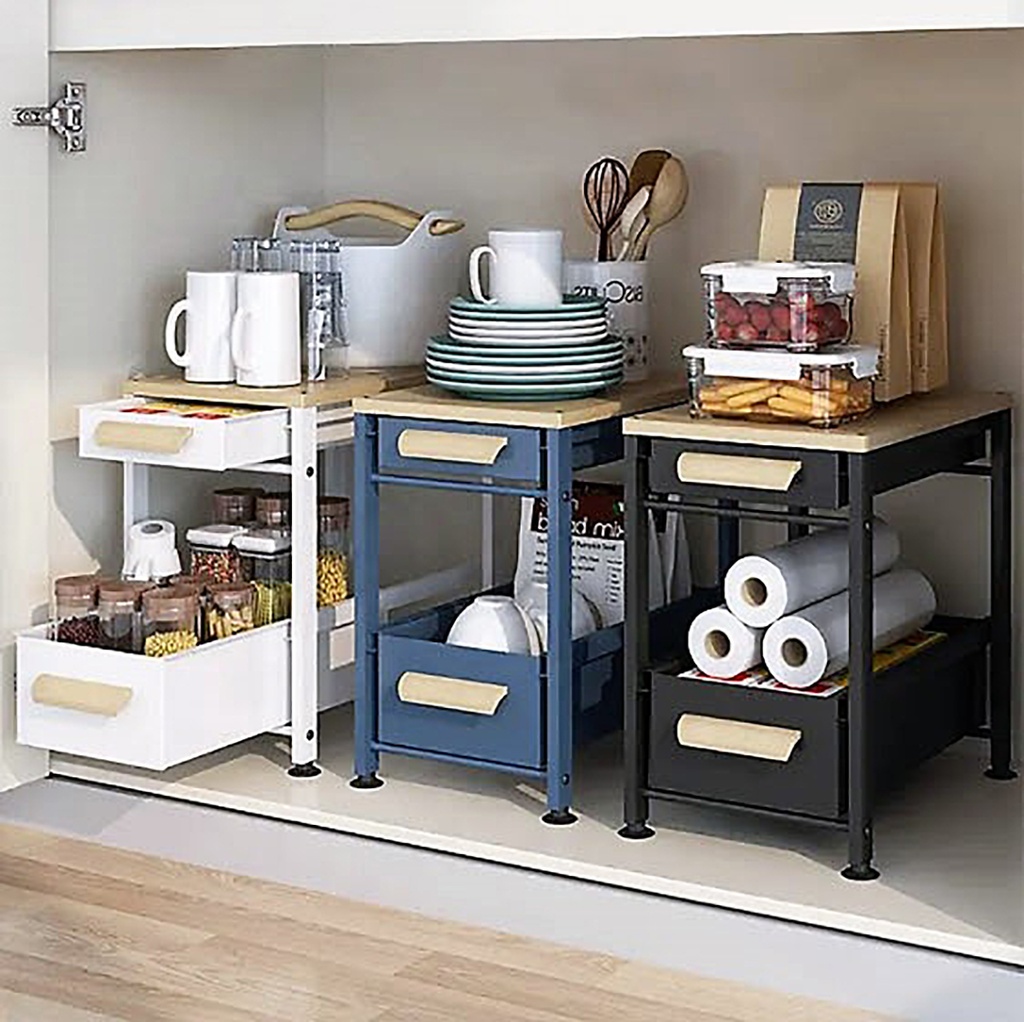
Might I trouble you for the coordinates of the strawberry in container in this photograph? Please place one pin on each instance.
(796, 306)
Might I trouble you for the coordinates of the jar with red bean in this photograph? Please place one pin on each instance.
(75, 619)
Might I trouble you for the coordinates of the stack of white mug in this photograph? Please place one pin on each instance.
(239, 328)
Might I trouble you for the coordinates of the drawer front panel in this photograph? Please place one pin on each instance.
(452, 448)
(463, 702)
(148, 712)
(763, 474)
(766, 749)
(110, 432)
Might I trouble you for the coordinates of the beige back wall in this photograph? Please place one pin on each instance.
(503, 133)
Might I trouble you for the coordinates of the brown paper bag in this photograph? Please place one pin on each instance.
(864, 224)
(926, 244)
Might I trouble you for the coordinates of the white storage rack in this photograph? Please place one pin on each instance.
(152, 729)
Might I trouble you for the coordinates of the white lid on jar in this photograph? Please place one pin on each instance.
(763, 278)
(861, 359)
(263, 541)
(214, 535)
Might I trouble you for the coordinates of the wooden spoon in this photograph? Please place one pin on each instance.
(668, 197)
(646, 167)
(632, 220)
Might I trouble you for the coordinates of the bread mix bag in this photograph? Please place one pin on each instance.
(926, 246)
(861, 223)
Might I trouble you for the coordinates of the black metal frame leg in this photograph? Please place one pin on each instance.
(636, 711)
(861, 596)
(1000, 576)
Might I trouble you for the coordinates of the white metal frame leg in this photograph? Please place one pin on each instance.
(134, 496)
(304, 686)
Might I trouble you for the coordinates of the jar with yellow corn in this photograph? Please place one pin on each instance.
(334, 556)
(267, 552)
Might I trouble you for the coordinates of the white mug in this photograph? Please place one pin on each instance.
(526, 268)
(209, 305)
(265, 333)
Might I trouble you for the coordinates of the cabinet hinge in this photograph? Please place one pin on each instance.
(66, 117)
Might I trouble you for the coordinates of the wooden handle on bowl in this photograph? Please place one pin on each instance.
(376, 209)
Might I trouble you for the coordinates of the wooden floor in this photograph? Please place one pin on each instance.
(89, 933)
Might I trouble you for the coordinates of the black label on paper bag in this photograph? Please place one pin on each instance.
(826, 223)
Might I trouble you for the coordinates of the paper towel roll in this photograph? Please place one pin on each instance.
(803, 648)
(723, 646)
(761, 588)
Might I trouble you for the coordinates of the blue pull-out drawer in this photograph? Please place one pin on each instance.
(460, 701)
(424, 447)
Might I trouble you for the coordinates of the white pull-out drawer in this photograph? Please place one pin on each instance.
(151, 712)
(214, 438)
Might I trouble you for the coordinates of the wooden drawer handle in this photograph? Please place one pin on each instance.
(86, 696)
(735, 470)
(481, 697)
(142, 436)
(436, 445)
(737, 737)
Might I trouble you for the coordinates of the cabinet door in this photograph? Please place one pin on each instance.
(25, 496)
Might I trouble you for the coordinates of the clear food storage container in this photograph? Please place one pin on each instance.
(230, 609)
(267, 552)
(235, 506)
(819, 389)
(170, 620)
(334, 557)
(212, 552)
(74, 614)
(119, 614)
(796, 306)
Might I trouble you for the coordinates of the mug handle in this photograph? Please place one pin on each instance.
(475, 258)
(170, 340)
(237, 320)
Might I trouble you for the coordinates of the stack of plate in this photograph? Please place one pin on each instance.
(502, 353)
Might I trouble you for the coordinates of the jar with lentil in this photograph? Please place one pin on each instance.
(212, 552)
(119, 606)
(334, 555)
(235, 506)
(74, 617)
(230, 609)
(170, 620)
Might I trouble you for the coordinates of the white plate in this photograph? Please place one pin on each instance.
(599, 330)
(532, 326)
(492, 369)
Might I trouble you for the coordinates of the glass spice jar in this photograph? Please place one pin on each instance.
(212, 552)
(235, 506)
(170, 620)
(333, 551)
(74, 617)
(230, 609)
(266, 552)
(118, 611)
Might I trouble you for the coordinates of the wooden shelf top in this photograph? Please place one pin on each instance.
(886, 425)
(336, 390)
(429, 402)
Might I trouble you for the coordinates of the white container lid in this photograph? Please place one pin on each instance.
(217, 535)
(861, 359)
(264, 541)
(763, 278)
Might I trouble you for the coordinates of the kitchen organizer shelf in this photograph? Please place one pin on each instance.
(843, 751)
(423, 437)
(276, 431)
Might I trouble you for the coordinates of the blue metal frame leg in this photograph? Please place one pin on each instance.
(559, 656)
(366, 535)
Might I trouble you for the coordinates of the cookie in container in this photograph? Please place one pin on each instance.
(818, 388)
(796, 306)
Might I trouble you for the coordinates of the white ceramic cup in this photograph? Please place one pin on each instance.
(526, 269)
(208, 307)
(534, 600)
(494, 623)
(265, 334)
(624, 285)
